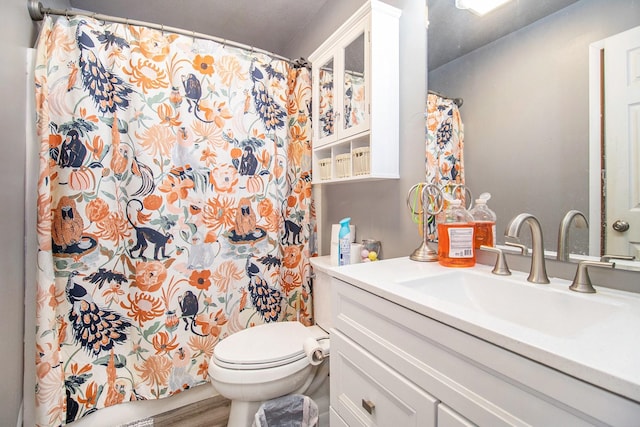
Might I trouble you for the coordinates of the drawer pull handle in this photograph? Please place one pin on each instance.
(368, 405)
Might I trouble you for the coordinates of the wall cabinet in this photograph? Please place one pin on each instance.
(393, 366)
(355, 97)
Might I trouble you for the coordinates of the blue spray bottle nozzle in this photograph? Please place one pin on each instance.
(344, 227)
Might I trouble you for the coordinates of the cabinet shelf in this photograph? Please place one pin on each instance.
(347, 161)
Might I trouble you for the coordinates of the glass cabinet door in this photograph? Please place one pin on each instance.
(326, 99)
(354, 116)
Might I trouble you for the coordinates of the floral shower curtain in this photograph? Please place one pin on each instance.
(445, 144)
(174, 208)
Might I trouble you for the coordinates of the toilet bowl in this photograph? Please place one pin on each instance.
(269, 361)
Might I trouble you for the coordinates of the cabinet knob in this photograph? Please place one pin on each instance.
(368, 405)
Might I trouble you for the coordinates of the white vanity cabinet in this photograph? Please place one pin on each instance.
(391, 366)
(355, 100)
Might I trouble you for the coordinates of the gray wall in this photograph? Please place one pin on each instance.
(15, 37)
(378, 209)
(526, 113)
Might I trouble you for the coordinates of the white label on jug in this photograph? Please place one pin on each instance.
(461, 242)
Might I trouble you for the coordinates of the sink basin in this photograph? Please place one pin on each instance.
(545, 308)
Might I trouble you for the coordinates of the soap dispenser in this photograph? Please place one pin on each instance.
(456, 237)
(485, 222)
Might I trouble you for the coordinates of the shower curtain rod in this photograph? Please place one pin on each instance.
(38, 12)
(457, 101)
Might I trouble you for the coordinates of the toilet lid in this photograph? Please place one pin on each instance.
(264, 346)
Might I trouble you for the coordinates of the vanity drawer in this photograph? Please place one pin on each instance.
(447, 417)
(367, 392)
(335, 420)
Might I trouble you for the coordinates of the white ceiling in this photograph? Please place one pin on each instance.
(272, 24)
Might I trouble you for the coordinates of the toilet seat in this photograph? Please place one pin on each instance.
(265, 346)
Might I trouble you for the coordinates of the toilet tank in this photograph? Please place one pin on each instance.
(321, 292)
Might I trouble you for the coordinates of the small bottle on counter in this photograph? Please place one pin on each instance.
(456, 237)
(485, 222)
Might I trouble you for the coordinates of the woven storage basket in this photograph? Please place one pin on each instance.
(325, 168)
(361, 162)
(343, 165)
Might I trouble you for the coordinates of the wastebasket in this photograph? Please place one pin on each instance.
(294, 410)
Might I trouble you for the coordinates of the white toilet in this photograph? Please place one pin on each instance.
(268, 361)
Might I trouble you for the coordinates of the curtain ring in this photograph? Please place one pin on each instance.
(224, 43)
(126, 29)
(66, 14)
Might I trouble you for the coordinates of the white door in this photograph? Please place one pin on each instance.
(622, 142)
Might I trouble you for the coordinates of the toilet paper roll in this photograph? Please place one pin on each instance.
(356, 257)
(313, 350)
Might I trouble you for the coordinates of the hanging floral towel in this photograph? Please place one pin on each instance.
(445, 143)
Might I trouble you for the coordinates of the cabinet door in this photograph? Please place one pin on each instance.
(324, 100)
(354, 82)
(366, 392)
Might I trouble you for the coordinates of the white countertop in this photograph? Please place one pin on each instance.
(605, 353)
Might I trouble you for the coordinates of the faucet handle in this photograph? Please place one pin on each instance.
(582, 281)
(523, 248)
(501, 268)
(606, 258)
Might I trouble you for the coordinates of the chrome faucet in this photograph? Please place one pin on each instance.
(538, 273)
(563, 232)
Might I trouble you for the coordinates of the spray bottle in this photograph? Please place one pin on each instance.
(344, 242)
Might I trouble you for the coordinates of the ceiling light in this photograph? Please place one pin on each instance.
(479, 7)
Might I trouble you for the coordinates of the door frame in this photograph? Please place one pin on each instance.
(596, 167)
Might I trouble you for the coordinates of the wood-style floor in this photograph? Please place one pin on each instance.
(213, 412)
